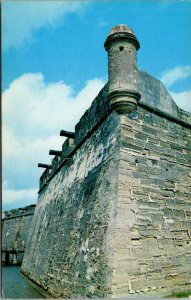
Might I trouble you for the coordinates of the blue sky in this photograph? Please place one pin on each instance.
(54, 64)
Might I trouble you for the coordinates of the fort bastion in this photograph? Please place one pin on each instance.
(113, 216)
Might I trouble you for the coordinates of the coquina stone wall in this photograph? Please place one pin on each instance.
(15, 227)
(70, 244)
(113, 214)
(153, 244)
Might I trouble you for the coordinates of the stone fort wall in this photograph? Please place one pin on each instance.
(15, 227)
(152, 248)
(70, 245)
(113, 213)
(114, 219)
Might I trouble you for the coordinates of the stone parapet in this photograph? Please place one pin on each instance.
(88, 122)
(97, 111)
(67, 148)
(18, 212)
(155, 98)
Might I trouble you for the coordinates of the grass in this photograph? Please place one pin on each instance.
(186, 294)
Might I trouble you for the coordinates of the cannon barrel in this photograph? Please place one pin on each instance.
(55, 152)
(44, 166)
(68, 134)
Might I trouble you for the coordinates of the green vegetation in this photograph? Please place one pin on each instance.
(186, 294)
(12, 211)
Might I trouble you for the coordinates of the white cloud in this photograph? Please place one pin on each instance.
(11, 196)
(183, 100)
(169, 77)
(33, 113)
(34, 108)
(21, 18)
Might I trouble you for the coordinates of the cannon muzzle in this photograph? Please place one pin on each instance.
(68, 134)
(44, 166)
(55, 152)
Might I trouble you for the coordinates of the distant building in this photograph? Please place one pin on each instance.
(15, 227)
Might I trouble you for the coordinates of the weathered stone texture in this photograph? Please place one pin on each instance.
(71, 239)
(154, 93)
(15, 226)
(152, 250)
(94, 115)
(115, 218)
